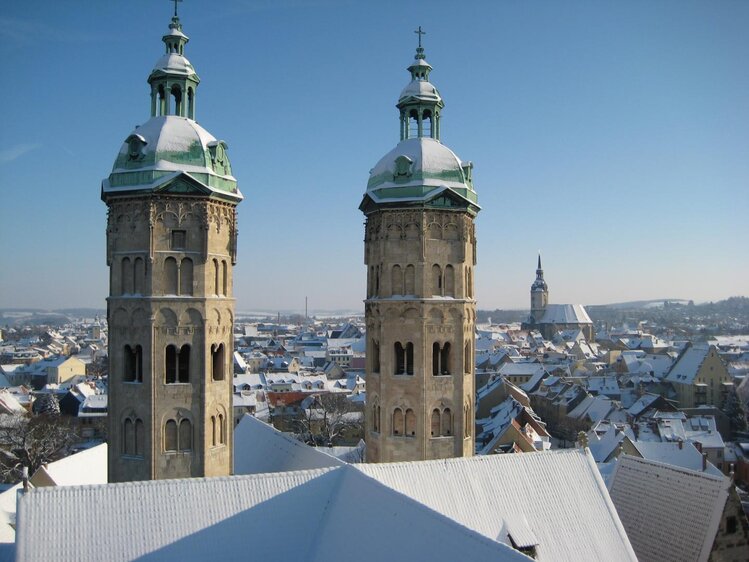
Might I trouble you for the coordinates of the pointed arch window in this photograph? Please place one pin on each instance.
(449, 281)
(171, 277)
(447, 422)
(375, 350)
(398, 426)
(436, 280)
(126, 277)
(185, 277)
(170, 436)
(436, 423)
(397, 280)
(410, 423)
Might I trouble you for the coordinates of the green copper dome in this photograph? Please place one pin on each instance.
(166, 145)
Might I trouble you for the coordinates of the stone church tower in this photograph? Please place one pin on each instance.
(171, 245)
(539, 295)
(420, 252)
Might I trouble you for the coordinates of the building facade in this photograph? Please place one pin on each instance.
(420, 252)
(171, 246)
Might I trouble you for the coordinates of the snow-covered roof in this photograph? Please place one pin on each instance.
(668, 510)
(420, 89)
(683, 454)
(565, 314)
(260, 448)
(173, 63)
(315, 515)
(558, 496)
(319, 514)
(684, 369)
(86, 467)
(431, 166)
(169, 144)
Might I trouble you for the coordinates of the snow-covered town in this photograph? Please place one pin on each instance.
(162, 395)
(644, 406)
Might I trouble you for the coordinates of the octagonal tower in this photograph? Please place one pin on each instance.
(420, 252)
(171, 246)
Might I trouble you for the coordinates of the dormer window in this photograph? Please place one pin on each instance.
(403, 166)
(219, 159)
(135, 146)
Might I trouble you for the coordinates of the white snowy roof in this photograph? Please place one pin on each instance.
(670, 513)
(86, 467)
(434, 165)
(558, 497)
(421, 89)
(315, 515)
(685, 456)
(565, 314)
(688, 363)
(260, 448)
(173, 63)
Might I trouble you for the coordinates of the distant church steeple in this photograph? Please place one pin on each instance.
(539, 294)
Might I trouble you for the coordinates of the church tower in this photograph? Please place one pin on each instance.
(420, 252)
(539, 295)
(171, 245)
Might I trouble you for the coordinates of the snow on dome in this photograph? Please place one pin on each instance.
(166, 145)
(421, 89)
(432, 164)
(174, 64)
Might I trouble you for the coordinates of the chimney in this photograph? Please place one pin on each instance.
(681, 444)
(704, 461)
(25, 478)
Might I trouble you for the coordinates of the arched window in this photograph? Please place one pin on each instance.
(170, 276)
(409, 358)
(375, 415)
(398, 422)
(170, 365)
(377, 281)
(375, 356)
(221, 430)
(126, 277)
(185, 435)
(140, 438)
(435, 359)
(139, 276)
(410, 423)
(445, 359)
(216, 274)
(213, 431)
(177, 97)
(217, 362)
(185, 277)
(427, 124)
(170, 436)
(128, 441)
(224, 278)
(436, 280)
(449, 281)
(400, 359)
(447, 422)
(467, 420)
(435, 422)
(162, 100)
(190, 104)
(397, 280)
(469, 283)
(177, 365)
(128, 374)
(410, 280)
(413, 124)
(467, 358)
(183, 367)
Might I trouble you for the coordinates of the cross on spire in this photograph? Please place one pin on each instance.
(418, 32)
(175, 7)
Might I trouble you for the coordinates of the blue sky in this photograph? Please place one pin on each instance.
(612, 136)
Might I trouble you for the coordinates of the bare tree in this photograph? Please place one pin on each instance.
(329, 419)
(32, 441)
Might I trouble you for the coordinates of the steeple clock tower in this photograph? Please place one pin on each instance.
(171, 245)
(539, 295)
(420, 252)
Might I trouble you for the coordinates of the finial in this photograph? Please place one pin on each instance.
(175, 6)
(539, 259)
(420, 49)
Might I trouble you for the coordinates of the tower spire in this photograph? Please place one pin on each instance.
(420, 103)
(175, 7)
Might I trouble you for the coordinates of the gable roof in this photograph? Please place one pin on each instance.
(557, 496)
(670, 513)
